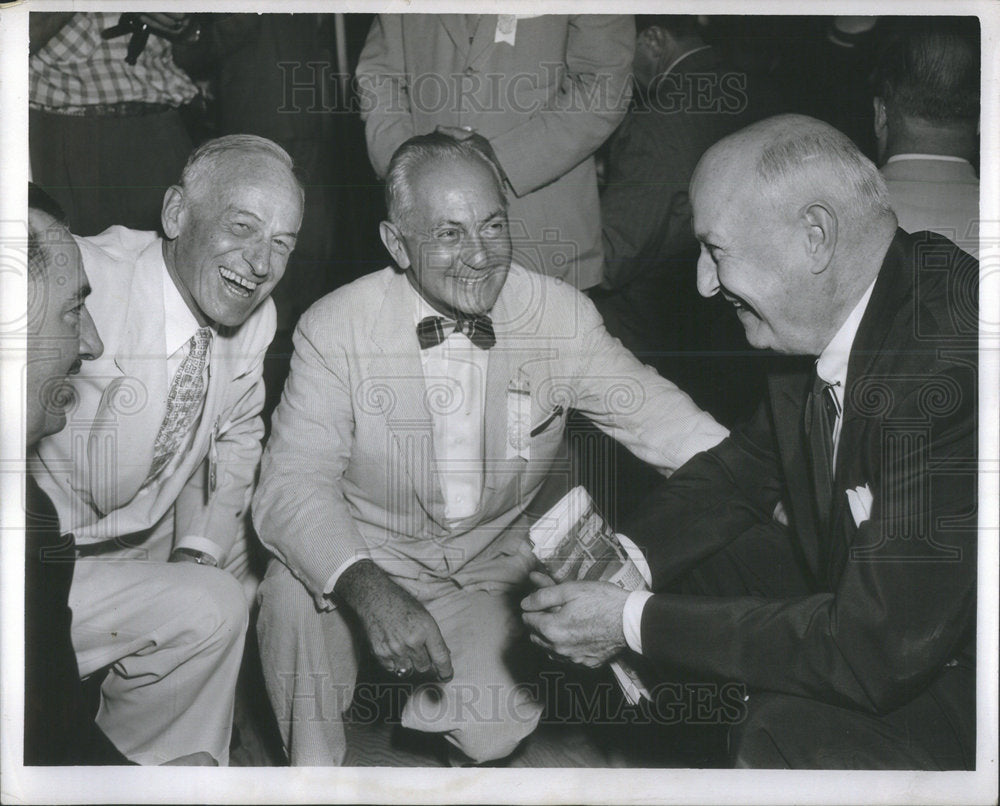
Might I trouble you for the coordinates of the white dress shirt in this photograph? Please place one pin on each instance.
(455, 380)
(832, 368)
(455, 384)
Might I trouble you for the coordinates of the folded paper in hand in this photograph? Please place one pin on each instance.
(574, 542)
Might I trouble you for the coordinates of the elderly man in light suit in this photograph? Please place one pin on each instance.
(154, 472)
(425, 406)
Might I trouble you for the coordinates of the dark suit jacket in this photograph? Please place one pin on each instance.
(58, 726)
(649, 299)
(892, 601)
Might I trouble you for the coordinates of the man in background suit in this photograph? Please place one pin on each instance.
(424, 410)
(543, 91)
(854, 627)
(153, 474)
(927, 126)
(687, 98)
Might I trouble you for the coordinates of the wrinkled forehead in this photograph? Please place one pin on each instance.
(446, 185)
(237, 174)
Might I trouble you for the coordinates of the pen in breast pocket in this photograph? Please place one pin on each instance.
(556, 412)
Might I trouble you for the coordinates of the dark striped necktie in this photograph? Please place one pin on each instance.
(820, 419)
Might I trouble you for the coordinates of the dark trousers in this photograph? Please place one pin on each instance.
(934, 731)
(108, 170)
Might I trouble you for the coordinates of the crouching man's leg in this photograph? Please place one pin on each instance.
(173, 635)
(310, 663)
(486, 709)
(934, 731)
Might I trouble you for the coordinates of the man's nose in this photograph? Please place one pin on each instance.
(91, 346)
(708, 276)
(258, 257)
(474, 251)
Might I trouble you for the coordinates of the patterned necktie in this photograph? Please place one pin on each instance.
(432, 330)
(820, 418)
(183, 400)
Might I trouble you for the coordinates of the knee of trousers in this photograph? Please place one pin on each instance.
(213, 602)
(759, 741)
(495, 737)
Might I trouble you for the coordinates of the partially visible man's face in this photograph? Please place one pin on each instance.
(234, 234)
(460, 251)
(748, 255)
(61, 333)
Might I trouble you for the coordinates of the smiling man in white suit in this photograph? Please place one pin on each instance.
(425, 406)
(154, 472)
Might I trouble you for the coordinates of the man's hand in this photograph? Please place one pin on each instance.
(578, 621)
(169, 25)
(477, 140)
(402, 634)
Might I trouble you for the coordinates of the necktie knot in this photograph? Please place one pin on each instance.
(199, 342)
(432, 330)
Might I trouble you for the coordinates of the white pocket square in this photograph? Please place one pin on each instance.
(860, 501)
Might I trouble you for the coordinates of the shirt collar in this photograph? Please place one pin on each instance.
(179, 323)
(939, 157)
(832, 363)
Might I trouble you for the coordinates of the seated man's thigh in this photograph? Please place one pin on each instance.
(122, 607)
(488, 707)
(785, 732)
(310, 663)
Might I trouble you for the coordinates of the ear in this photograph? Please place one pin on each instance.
(821, 234)
(393, 240)
(880, 116)
(172, 213)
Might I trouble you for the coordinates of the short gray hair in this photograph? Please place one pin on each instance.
(204, 160)
(38, 249)
(418, 152)
(851, 177)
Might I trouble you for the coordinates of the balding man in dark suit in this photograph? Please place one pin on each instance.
(853, 628)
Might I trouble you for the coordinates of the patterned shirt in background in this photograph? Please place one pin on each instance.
(78, 68)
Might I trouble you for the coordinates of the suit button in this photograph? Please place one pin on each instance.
(470, 71)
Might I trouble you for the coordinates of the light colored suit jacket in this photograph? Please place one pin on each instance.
(546, 104)
(937, 195)
(93, 470)
(350, 471)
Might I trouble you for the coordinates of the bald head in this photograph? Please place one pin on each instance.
(793, 221)
(793, 160)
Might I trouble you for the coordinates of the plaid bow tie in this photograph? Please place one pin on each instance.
(432, 330)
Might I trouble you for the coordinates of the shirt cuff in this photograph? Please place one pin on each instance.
(202, 544)
(632, 619)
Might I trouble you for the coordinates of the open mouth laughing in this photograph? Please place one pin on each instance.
(237, 284)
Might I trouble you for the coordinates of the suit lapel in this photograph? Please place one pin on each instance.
(133, 405)
(788, 392)
(505, 360)
(483, 39)
(455, 25)
(887, 299)
(394, 384)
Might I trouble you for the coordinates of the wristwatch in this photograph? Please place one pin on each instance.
(199, 557)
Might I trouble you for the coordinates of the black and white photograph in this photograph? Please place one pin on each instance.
(406, 405)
